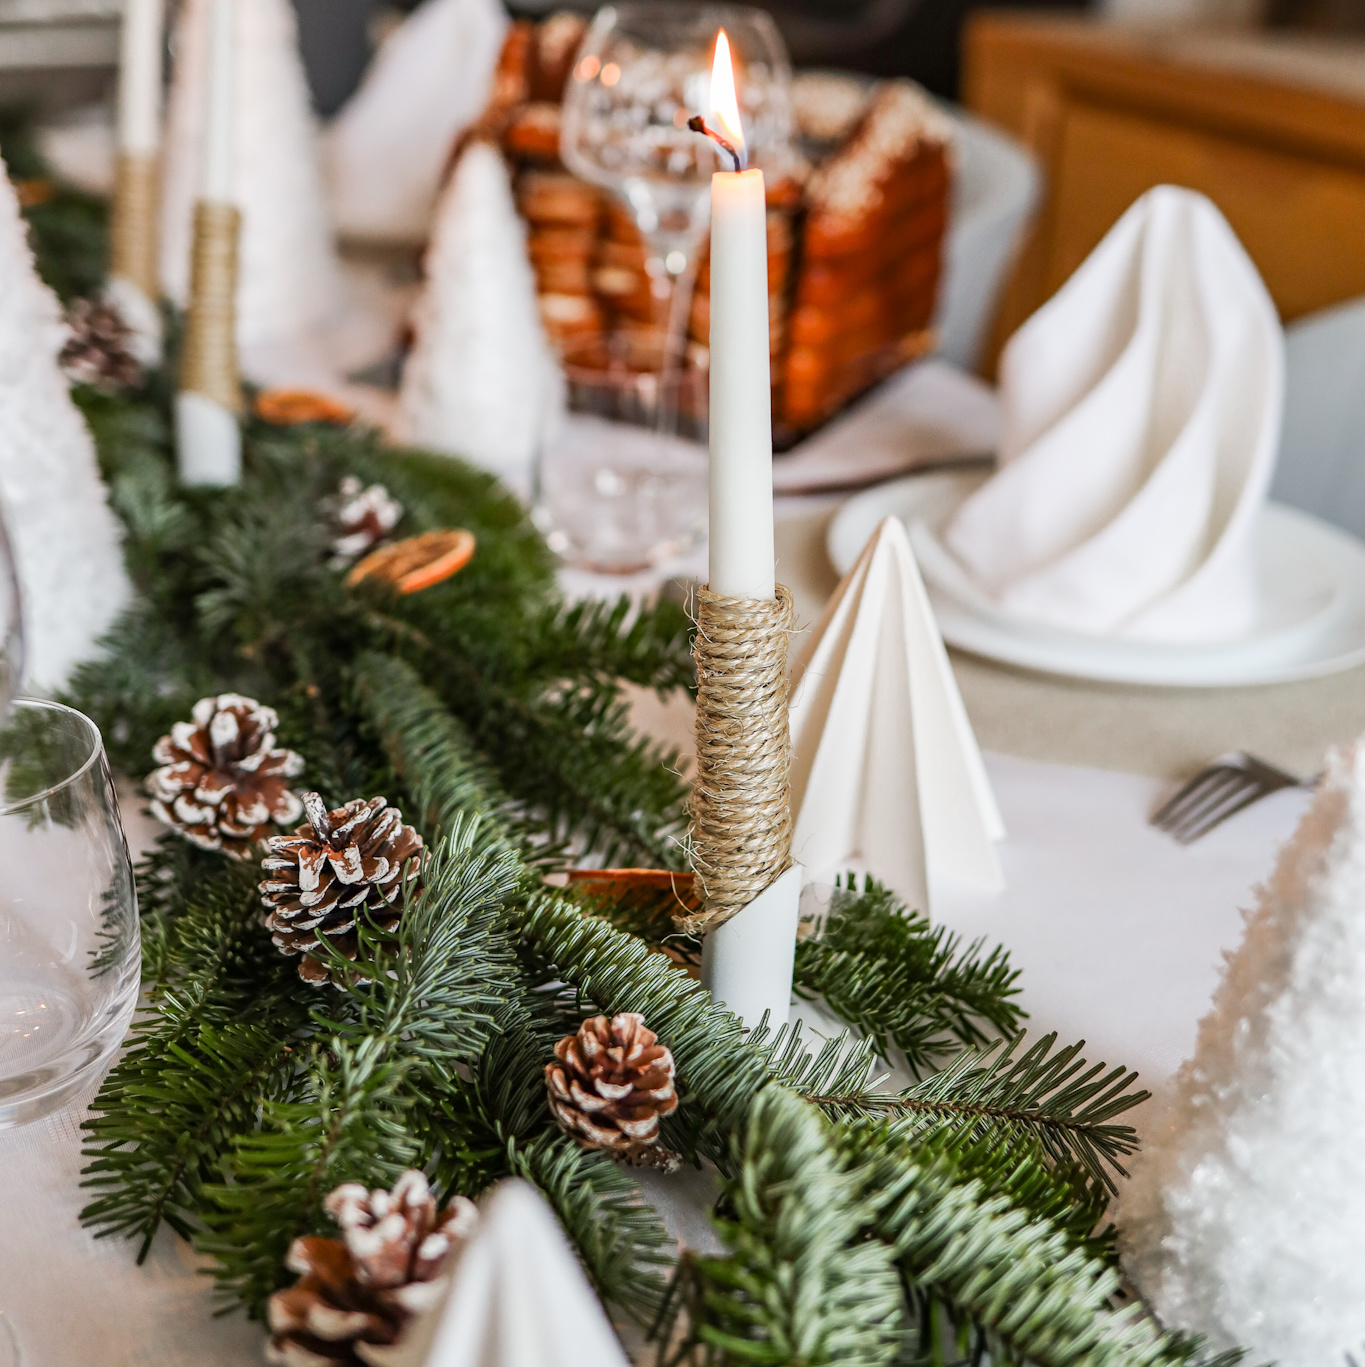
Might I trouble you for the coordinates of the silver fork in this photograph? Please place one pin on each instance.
(1220, 790)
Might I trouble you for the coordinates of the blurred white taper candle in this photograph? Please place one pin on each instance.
(132, 286)
(208, 437)
(748, 958)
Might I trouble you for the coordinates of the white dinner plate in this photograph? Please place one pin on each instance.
(1311, 619)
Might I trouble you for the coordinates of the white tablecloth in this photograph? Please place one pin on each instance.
(1118, 930)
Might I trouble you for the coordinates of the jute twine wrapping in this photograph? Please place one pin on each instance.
(741, 798)
(133, 230)
(209, 360)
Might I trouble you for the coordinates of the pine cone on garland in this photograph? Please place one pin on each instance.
(223, 782)
(611, 1085)
(389, 1264)
(361, 519)
(98, 349)
(359, 859)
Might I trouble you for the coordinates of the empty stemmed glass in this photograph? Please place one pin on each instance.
(642, 71)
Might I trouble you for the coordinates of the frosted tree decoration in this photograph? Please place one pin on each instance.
(289, 284)
(1245, 1218)
(65, 539)
(481, 381)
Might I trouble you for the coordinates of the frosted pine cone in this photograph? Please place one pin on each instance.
(361, 519)
(99, 348)
(359, 859)
(611, 1085)
(223, 782)
(363, 1288)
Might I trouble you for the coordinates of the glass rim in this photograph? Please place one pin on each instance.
(96, 753)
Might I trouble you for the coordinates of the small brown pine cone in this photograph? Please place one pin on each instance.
(610, 1086)
(363, 1288)
(98, 348)
(358, 860)
(360, 519)
(223, 783)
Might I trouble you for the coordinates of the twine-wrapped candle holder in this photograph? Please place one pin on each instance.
(741, 838)
(133, 229)
(209, 359)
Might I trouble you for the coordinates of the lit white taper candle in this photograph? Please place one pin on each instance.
(741, 498)
(747, 962)
(208, 436)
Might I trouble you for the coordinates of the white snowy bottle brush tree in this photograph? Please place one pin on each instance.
(289, 278)
(1245, 1217)
(64, 537)
(481, 381)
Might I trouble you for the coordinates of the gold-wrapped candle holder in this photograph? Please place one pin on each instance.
(741, 837)
(133, 228)
(209, 359)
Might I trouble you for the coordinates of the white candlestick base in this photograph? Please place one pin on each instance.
(208, 441)
(141, 315)
(747, 963)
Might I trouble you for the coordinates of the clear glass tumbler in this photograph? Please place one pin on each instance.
(621, 485)
(70, 954)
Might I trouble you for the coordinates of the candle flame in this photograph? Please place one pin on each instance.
(724, 103)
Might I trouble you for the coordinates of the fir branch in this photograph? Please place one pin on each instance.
(1035, 1297)
(720, 1070)
(431, 997)
(176, 1102)
(624, 1246)
(430, 751)
(801, 1284)
(904, 982)
(1054, 1098)
(351, 1125)
(651, 646)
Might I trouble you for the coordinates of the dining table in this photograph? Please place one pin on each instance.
(1118, 931)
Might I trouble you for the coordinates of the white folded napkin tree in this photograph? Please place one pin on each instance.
(1140, 415)
(64, 538)
(387, 149)
(481, 381)
(1245, 1217)
(518, 1298)
(885, 768)
(290, 293)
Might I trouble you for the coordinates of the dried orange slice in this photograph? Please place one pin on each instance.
(35, 191)
(288, 407)
(418, 562)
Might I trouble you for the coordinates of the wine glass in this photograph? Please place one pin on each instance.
(642, 71)
(69, 943)
(11, 624)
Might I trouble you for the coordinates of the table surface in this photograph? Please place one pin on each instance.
(1085, 876)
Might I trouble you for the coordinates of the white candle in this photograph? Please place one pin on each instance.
(741, 498)
(139, 90)
(218, 183)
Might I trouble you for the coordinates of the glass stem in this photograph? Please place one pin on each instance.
(673, 261)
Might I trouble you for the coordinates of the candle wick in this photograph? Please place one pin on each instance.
(698, 125)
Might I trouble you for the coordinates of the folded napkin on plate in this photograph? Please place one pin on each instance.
(1140, 412)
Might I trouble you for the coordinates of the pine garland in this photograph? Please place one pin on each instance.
(954, 1219)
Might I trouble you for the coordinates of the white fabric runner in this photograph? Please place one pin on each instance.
(1118, 931)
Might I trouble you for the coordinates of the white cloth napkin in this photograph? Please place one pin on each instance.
(885, 767)
(387, 148)
(1140, 413)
